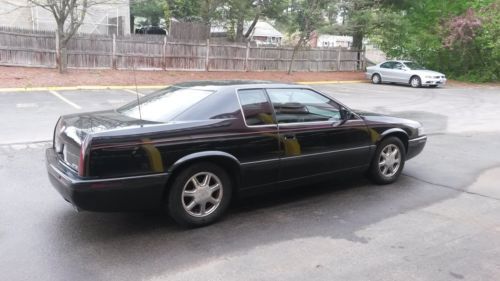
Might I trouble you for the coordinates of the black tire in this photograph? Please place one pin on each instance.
(415, 82)
(177, 201)
(376, 79)
(376, 171)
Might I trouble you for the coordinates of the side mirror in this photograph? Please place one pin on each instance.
(345, 114)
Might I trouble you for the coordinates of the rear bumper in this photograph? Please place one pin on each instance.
(105, 195)
(415, 146)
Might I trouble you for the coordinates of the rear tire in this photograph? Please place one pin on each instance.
(388, 161)
(376, 79)
(415, 82)
(199, 195)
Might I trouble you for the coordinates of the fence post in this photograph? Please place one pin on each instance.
(58, 54)
(113, 58)
(164, 54)
(207, 58)
(247, 55)
(338, 58)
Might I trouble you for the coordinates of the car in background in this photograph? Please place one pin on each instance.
(404, 72)
(189, 147)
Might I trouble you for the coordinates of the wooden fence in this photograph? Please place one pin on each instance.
(21, 47)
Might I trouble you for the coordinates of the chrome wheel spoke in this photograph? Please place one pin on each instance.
(214, 188)
(191, 205)
(206, 180)
(203, 208)
(195, 182)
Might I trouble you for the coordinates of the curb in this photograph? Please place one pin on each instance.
(75, 88)
(115, 87)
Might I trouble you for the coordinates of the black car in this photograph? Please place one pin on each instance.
(192, 146)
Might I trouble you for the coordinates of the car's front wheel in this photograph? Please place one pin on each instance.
(415, 82)
(388, 161)
(376, 79)
(199, 195)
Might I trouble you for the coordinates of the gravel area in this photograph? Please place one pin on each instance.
(40, 77)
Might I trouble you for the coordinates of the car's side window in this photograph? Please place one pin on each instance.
(257, 110)
(397, 65)
(388, 64)
(302, 105)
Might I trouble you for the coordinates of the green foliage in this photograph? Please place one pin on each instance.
(441, 35)
(153, 10)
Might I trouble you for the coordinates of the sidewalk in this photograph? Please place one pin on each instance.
(23, 77)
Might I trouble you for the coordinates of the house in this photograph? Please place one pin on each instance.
(330, 41)
(263, 33)
(110, 18)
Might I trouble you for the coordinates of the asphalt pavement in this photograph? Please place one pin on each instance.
(440, 221)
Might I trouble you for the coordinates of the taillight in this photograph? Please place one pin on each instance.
(82, 158)
(81, 163)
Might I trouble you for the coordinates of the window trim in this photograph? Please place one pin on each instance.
(275, 125)
(304, 123)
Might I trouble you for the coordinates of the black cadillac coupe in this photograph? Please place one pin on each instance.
(190, 147)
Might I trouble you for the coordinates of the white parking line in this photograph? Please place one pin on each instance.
(134, 92)
(65, 100)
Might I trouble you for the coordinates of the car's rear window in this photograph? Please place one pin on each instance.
(164, 105)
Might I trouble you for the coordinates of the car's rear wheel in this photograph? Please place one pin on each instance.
(388, 161)
(376, 79)
(199, 195)
(415, 82)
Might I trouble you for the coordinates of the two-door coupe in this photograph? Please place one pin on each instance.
(192, 146)
(404, 72)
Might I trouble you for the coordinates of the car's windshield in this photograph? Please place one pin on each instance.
(414, 65)
(165, 104)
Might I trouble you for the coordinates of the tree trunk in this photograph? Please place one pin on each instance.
(64, 59)
(252, 26)
(357, 45)
(239, 29)
(295, 49)
(61, 51)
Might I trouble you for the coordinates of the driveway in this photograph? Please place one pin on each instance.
(440, 221)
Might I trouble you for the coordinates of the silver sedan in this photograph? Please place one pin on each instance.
(404, 72)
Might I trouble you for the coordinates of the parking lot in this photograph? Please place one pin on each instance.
(440, 221)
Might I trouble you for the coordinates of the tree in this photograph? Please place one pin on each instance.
(153, 10)
(457, 37)
(239, 11)
(305, 16)
(69, 16)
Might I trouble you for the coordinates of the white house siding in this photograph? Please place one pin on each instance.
(325, 41)
(18, 13)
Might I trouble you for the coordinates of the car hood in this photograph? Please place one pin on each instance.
(380, 118)
(427, 73)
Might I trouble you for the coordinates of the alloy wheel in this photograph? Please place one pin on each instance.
(202, 194)
(415, 82)
(389, 160)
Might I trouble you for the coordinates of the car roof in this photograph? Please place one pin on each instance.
(402, 61)
(219, 84)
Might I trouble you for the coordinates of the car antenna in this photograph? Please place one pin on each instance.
(137, 93)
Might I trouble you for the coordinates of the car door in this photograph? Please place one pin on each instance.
(400, 73)
(258, 143)
(386, 71)
(314, 139)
